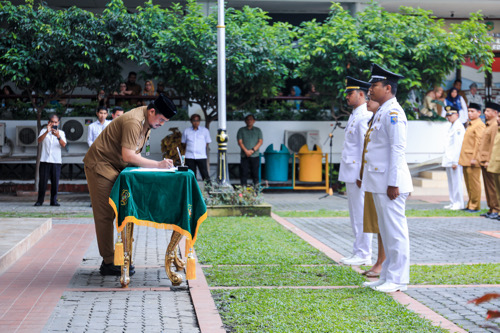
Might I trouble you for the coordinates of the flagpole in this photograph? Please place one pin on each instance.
(222, 138)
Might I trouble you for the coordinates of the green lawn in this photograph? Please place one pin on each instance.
(320, 310)
(272, 254)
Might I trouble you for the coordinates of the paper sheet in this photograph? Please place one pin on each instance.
(172, 169)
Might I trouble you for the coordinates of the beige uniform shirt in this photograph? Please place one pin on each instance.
(131, 131)
(472, 139)
(494, 165)
(484, 153)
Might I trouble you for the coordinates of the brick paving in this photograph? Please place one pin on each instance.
(54, 289)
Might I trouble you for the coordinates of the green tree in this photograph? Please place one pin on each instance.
(412, 43)
(184, 54)
(51, 52)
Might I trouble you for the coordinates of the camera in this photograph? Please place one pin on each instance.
(54, 128)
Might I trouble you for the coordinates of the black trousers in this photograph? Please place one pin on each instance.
(249, 165)
(201, 164)
(48, 171)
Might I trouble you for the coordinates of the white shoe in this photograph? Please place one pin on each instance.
(448, 206)
(457, 207)
(357, 261)
(373, 284)
(390, 287)
(346, 258)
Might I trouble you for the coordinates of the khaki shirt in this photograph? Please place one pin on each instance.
(472, 139)
(494, 165)
(484, 153)
(131, 131)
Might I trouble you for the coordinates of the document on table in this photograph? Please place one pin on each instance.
(172, 169)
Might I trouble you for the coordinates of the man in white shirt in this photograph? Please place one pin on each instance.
(350, 166)
(116, 112)
(52, 140)
(196, 139)
(387, 177)
(473, 96)
(97, 126)
(451, 155)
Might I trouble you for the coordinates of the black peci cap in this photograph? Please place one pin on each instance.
(494, 106)
(381, 74)
(475, 106)
(355, 84)
(165, 106)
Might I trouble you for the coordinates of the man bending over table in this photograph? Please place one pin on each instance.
(118, 146)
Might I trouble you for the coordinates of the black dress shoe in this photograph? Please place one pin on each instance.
(113, 270)
(55, 204)
(493, 216)
(38, 204)
(487, 214)
(472, 210)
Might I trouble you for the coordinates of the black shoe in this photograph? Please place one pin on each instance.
(487, 214)
(493, 216)
(38, 204)
(472, 210)
(55, 204)
(111, 269)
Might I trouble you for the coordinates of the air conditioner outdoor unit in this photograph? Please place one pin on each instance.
(294, 140)
(2, 134)
(76, 128)
(26, 136)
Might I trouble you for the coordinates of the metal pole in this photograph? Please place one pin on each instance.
(222, 138)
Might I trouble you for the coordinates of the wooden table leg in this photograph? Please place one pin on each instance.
(128, 240)
(171, 258)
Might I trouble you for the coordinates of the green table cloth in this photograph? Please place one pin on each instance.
(159, 199)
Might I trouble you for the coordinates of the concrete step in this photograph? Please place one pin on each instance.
(433, 174)
(18, 235)
(429, 183)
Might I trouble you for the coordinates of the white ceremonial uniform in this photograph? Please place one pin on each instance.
(350, 166)
(95, 129)
(386, 166)
(451, 155)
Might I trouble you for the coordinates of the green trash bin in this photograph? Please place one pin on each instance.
(277, 163)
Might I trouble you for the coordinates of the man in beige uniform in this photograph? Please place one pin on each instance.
(118, 146)
(493, 167)
(470, 147)
(483, 157)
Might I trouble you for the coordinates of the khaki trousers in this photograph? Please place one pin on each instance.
(473, 184)
(489, 188)
(496, 181)
(99, 189)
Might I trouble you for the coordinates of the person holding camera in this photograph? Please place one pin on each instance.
(52, 139)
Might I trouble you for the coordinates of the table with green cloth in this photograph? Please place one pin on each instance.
(159, 199)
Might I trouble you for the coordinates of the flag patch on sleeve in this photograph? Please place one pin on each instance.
(394, 119)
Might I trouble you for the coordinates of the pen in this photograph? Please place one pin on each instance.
(180, 157)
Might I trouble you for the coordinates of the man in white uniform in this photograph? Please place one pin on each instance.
(350, 166)
(98, 126)
(451, 155)
(387, 177)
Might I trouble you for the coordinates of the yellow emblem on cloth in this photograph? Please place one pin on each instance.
(190, 210)
(393, 113)
(124, 197)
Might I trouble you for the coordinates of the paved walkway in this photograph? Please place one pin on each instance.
(56, 286)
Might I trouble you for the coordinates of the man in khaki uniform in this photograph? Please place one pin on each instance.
(118, 146)
(470, 147)
(483, 157)
(493, 167)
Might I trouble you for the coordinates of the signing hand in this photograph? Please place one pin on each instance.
(165, 164)
(392, 192)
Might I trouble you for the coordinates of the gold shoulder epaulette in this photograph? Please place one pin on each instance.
(394, 112)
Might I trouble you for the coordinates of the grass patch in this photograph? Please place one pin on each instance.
(248, 276)
(44, 214)
(456, 274)
(409, 213)
(253, 241)
(308, 310)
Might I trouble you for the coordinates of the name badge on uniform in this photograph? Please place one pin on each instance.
(394, 119)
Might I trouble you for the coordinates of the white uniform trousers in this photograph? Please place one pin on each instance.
(362, 246)
(455, 186)
(394, 232)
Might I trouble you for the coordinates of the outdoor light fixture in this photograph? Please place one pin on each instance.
(452, 14)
